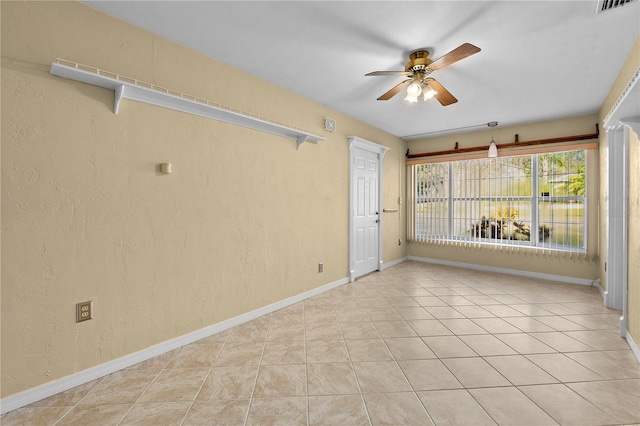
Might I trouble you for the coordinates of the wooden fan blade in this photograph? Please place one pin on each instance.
(387, 73)
(442, 95)
(394, 91)
(455, 55)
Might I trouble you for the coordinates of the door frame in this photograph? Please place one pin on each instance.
(379, 150)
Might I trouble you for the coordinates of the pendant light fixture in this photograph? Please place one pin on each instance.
(493, 148)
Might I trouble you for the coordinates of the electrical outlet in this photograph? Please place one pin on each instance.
(84, 311)
(320, 267)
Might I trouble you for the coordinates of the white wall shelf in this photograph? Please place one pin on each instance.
(128, 88)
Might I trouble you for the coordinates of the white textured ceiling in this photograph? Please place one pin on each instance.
(539, 60)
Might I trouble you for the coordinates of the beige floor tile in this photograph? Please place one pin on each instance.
(382, 376)
(331, 379)
(474, 312)
(352, 315)
(454, 407)
(403, 348)
(323, 331)
(596, 321)
(428, 327)
(31, 415)
(383, 314)
(525, 344)
(368, 350)
(121, 387)
(278, 412)
(428, 375)
(611, 398)
(229, 383)
(623, 355)
(288, 332)
(281, 381)
(444, 312)
(530, 309)
(496, 325)
(157, 413)
(561, 342)
(196, 356)
(83, 415)
(482, 300)
(359, 330)
(414, 313)
(508, 406)
(430, 301)
(606, 366)
(402, 408)
(176, 385)
(217, 412)
(503, 311)
(399, 302)
(240, 353)
(486, 345)
(331, 410)
(565, 406)
(319, 316)
(389, 329)
(475, 372)
(563, 368)
(284, 352)
(519, 370)
(252, 331)
(462, 326)
(599, 341)
(456, 300)
(560, 323)
(558, 309)
(528, 324)
(375, 302)
(327, 351)
(508, 299)
(448, 347)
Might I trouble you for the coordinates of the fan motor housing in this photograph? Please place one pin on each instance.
(418, 61)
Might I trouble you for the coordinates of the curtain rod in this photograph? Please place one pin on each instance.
(514, 144)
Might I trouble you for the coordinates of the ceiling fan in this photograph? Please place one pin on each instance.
(419, 68)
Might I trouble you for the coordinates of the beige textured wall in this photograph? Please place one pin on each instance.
(630, 67)
(242, 222)
(569, 267)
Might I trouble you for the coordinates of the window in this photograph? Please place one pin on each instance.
(534, 200)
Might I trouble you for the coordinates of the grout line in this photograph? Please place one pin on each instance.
(148, 386)
(264, 345)
(206, 376)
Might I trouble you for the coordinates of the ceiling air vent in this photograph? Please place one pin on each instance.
(604, 5)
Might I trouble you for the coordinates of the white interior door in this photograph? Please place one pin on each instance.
(366, 215)
(365, 254)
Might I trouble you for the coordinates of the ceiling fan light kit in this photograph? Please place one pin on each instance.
(418, 68)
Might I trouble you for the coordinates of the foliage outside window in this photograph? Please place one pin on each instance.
(534, 200)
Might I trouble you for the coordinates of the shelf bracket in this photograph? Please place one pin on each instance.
(301, 140)
(118, 95)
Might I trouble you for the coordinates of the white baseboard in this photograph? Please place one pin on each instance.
(30, 396)
(560, 278)
(393, 263)
(632, 345)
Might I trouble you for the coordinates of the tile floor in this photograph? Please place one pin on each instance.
(415, 344)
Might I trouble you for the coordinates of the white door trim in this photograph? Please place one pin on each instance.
(379, 150)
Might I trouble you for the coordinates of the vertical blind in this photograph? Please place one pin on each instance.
(534, 202)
